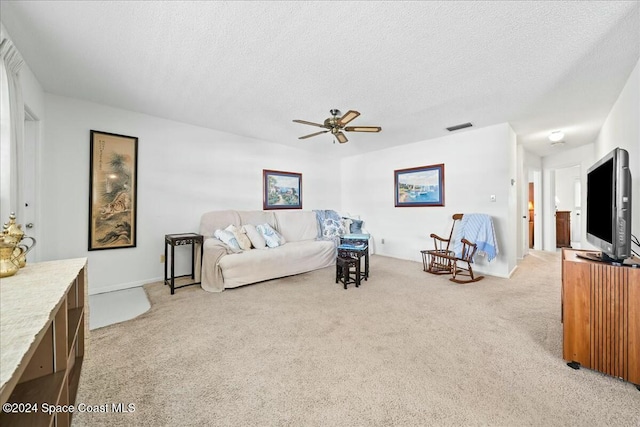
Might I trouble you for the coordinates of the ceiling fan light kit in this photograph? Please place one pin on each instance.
(336, 125)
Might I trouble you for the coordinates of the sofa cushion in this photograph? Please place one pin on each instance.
(297, 225)
(257, 217)
(255, 236)
(293, 258)
(212, 221)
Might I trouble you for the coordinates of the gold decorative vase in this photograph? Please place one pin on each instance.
(14, 235)
(8, 263)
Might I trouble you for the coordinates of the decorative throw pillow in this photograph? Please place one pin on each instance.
(347, 223)
(227, 237)
(243, 240)
(254, 235)
(333, 228)
(356, 226)
(271, 236)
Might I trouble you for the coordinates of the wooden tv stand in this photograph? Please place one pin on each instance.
(43, 326)
(601, 316)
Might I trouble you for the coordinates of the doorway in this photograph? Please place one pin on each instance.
(29, 198)
(530, 207)
(533, 211)
(568, 206)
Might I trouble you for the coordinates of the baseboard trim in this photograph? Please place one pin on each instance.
(122, 286)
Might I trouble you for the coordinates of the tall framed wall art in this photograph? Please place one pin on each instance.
(113, 189)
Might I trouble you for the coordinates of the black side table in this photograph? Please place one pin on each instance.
(356, 251)
(357, 242)
(174, 240)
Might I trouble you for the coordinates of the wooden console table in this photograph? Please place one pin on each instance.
(42, 333)
(601, 316)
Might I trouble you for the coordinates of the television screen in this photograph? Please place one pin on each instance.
(600, 214)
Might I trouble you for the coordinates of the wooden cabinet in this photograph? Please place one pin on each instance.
(531, 229)
(563, 229)
(43, 327)
(601, 316)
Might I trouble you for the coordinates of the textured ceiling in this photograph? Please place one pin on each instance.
(414, 68)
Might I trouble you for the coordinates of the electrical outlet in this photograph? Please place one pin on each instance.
(382, 240)
(161, 258)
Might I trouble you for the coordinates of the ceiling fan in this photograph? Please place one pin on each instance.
(336, 124)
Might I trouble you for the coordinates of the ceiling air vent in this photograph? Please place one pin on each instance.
(458, 127)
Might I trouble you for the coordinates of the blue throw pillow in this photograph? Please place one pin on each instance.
(356, 226)
(271, 236)
(333, 228)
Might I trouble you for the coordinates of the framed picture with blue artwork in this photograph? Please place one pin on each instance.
(281, 190)
(420, 186)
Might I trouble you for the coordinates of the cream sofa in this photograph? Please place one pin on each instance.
(224, 268)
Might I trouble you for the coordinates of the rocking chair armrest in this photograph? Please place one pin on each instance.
(468, 250)
(435, 236)
(466, 242)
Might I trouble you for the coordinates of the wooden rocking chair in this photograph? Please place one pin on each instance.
(443, 260)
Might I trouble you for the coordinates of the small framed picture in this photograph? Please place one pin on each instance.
(281, 190)
(420, 186)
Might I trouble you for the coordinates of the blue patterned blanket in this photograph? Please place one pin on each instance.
(478, 229)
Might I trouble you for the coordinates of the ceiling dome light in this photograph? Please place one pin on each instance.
(556, 136)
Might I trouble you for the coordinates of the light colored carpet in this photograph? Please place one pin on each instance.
(405, 349)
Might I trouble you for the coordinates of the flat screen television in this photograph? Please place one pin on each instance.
(609, 206)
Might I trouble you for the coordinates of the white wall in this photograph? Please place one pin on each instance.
(32, 92)
(622, 129)
(478, 163)
(565, 179)
(183, 171)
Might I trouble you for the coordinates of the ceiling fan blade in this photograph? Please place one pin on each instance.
(363, 128)
(348, 116)
(341, 138)
(304, 122)
(313, 134)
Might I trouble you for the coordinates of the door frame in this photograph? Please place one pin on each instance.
(29, 200)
